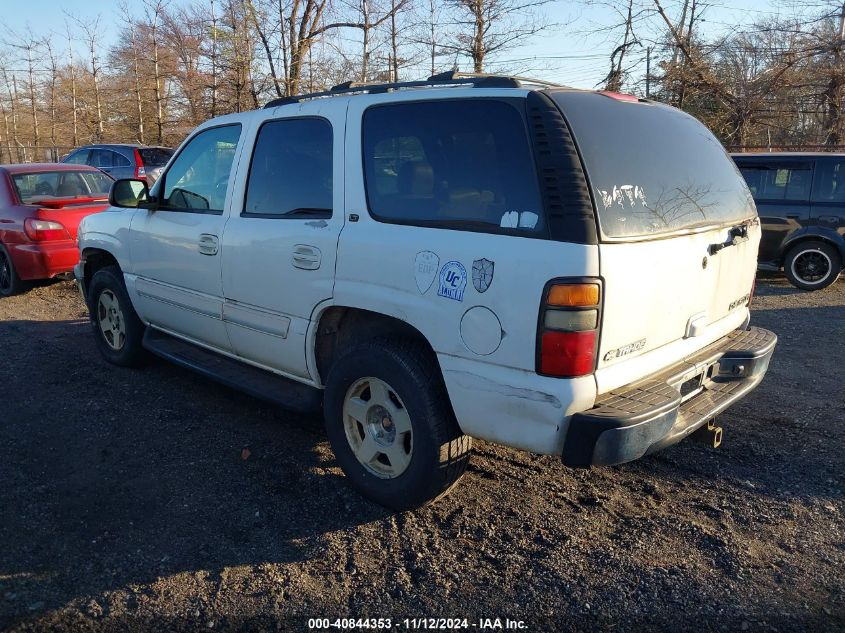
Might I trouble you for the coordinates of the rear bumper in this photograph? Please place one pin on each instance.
(44, 260)
(639, 419)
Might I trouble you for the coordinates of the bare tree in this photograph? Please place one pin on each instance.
(136, 70)
(488, 27)
(54, 78)
(72, 67)
(91, 32)
(153, 10)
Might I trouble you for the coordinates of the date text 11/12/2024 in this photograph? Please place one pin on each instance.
(416, 624)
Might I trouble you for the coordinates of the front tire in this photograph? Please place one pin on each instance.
(117, 329)
(391, 426)
(812, 265)
(10, 282)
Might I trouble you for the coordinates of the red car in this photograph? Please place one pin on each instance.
(41, 206)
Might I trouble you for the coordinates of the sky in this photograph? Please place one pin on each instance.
(575, 52)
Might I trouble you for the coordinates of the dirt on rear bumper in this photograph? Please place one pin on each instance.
(645, 417)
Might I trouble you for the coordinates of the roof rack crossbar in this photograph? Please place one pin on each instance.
(474, 80)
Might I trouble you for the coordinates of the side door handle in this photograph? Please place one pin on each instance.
(209, 244)
(306, 257)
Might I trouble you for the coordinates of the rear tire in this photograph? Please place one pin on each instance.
(117, 329)
(10, 282)
(812, 265)
(391, 426)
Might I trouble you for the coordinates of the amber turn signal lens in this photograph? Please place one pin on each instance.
(573, 295)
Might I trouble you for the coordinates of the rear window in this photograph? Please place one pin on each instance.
(778, 182)
(33, 188)
(652, 169)
(155, 156)
(456, 164)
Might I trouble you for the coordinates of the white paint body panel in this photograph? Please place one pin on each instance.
(653, 289)
(261, 271)
(250, 302)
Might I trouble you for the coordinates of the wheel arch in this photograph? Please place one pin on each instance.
(93, 259)
(338, 327)
(828, 236)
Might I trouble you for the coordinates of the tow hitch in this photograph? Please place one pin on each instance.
(709, 434)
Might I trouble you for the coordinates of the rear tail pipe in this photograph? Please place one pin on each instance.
(709, 434)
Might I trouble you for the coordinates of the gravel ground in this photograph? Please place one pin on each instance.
(155, 499)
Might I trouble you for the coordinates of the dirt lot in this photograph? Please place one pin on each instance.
(126, 504)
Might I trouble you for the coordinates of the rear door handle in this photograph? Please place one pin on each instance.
(306, 257)
(209, 244)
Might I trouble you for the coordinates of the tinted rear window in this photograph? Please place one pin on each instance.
(155, 156)
(457, 164)
(653, 169)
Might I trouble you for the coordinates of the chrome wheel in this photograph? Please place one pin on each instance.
(5, 273)
(812, 266)
(111, 321)
(378, 427)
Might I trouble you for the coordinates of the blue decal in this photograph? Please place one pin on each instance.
(453, 281)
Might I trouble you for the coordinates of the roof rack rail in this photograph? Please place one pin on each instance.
(451, 78)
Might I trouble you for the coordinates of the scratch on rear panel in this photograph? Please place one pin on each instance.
(472, 381)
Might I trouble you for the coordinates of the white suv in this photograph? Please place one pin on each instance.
(562, 271)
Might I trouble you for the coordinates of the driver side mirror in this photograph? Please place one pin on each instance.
(130, 193)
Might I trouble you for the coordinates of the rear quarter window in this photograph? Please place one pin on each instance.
(456, 164)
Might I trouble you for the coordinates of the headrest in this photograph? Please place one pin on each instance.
(416, 178)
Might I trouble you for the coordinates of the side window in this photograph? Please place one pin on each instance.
(458, 164)
(753, 178)
(78, 157)
(291, 171)
(199, 177)
(779, 182)
(101, 158)
(119, 160)
(829, 184)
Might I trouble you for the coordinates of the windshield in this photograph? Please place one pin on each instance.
(652, 169)
(155, 156)
(46, 185)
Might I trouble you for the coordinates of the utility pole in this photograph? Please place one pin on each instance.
(648, 72)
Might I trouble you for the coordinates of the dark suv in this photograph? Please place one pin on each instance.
(123, 161)
(801, 202)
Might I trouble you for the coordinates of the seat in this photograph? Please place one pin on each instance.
(414, 197)
(70, 186)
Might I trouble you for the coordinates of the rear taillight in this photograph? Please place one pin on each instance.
(42, 230)
(140, 170)
(568, 332)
